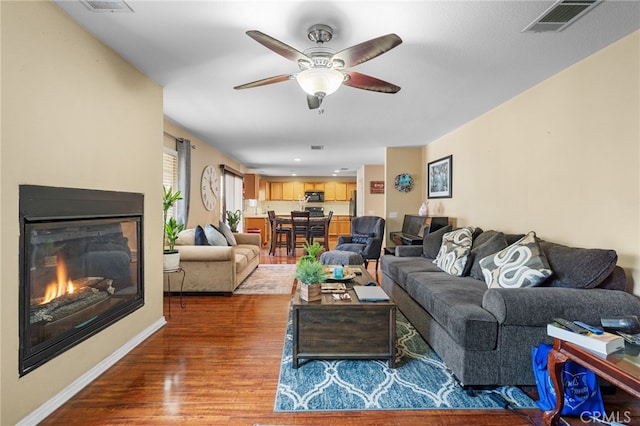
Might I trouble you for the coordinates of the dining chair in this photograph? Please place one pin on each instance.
(280, 235)
(321, 231)
(300, 226)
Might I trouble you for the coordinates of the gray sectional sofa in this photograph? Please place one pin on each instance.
(485, 335)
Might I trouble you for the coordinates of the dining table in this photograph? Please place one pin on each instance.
(313, 221)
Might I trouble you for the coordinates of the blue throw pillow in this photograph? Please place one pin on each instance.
(201, 237)
(361, 238)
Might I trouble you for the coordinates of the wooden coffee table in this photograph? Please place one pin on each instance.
(331, 329)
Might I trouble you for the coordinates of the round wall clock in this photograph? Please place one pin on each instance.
(209, 187)
(404, 182)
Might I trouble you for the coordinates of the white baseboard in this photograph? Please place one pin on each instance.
(57, 401)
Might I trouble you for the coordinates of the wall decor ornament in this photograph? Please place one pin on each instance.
(440, 178)
(404, 182)
(209, 187)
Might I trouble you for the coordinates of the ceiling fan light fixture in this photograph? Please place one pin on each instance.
(324, 81)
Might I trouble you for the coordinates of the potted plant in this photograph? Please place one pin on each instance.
(310, 274)
(233, 219)
(313, 251)
(171, 229)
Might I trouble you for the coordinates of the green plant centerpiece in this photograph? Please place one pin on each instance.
(171, 229)
(313, 251)
(310, 274)
(233, 219)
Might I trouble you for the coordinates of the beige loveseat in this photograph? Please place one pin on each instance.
(218, 269)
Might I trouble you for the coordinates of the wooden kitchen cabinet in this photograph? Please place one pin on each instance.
(260, 223)
(298, 191)
(340, 225)
(264, 190)
(314, 186)
(351, 186)
(341, 191)
(276, 191)
(251, 185)
(330, 191)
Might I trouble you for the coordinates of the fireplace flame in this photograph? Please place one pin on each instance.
(63, 285)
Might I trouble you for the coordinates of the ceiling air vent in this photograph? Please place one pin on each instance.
(562, 14)
(317, 147)
(107, 6)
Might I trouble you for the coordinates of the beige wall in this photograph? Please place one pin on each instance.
(397, 161)
(371, 204)
(202, 156)
(74, 114)
(561, 159)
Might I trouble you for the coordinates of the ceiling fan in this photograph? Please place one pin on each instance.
(322, 71)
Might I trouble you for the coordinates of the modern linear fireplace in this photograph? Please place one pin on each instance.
(81, 266)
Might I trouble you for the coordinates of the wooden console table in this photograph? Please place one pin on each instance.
(621, 369)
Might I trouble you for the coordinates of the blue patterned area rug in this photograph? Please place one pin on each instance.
(420, 381)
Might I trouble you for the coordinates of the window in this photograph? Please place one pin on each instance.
(232, 188)
(170, 173)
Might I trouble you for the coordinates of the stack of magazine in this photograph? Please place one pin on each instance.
(603, 343)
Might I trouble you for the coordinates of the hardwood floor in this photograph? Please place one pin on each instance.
(217, 361)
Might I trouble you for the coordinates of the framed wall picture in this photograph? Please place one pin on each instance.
(377, 187)
(440, 178)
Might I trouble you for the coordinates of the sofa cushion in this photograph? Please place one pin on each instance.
(432, 242)
(522, 264)
(226, 231)
(187, 237)
(214, 236)
(578, 267)
(492, 245)
(454, 251)
(200, 237)
(456, 304)
(399, 267)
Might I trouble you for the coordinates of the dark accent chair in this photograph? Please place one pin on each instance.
(366, 237)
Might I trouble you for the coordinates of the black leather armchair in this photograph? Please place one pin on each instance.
(366, 237)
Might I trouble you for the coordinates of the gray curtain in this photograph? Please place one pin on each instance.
(183, 146)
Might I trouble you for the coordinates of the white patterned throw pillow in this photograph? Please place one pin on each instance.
(454, 251)
(522, 264)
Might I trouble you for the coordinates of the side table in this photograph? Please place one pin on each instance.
(621, 369)
(168, 274)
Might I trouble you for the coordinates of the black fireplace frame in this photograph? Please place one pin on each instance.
(38, 204)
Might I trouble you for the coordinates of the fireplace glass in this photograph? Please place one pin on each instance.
(79, 276)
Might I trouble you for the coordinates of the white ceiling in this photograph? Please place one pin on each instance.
(458, 60)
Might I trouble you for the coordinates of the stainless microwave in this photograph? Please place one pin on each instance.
(314, 196)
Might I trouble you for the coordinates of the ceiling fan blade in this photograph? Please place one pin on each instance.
(277, 46)
(313, 102)
(366, 82)
(265, 81)
(367, 50)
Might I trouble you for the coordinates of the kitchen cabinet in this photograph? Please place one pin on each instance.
(276, 191)
(259, 223)
(351, 186)
(341, 191)
(314, 186)
(264, 190)
(340, 225)
(251, 184)
(298, 191)
(330, 191)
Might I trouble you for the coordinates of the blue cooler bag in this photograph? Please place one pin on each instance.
(581, 389)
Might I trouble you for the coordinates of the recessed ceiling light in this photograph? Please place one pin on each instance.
(334, 174)
(294, 174)
(336, 171)
(296, 159)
